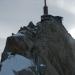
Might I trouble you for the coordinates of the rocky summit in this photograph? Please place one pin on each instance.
(42, 49)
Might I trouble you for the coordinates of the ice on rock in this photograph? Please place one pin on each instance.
(15, 63)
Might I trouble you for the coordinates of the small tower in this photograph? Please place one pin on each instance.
(45, 16)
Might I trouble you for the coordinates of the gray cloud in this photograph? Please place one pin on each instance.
(64, 8)
(17, 13)
(2, 45)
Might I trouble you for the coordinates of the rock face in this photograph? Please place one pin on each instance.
(54, 46)
(49, 41)
(21, 42)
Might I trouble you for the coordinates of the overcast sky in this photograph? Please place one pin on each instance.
(17, 13)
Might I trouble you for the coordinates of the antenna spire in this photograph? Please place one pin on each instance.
(45, 15)
(45, 2)
(45, 8)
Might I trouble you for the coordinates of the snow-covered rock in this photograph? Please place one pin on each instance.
(15, 63)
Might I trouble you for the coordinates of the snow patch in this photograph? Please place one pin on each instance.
(15, 63)
(18, 34)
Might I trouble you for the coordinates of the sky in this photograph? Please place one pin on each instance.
(17, 13)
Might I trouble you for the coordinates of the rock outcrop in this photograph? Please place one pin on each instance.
(53, 42)
(49, 41)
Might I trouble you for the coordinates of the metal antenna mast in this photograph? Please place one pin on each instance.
(45, 8)
(45, 2)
